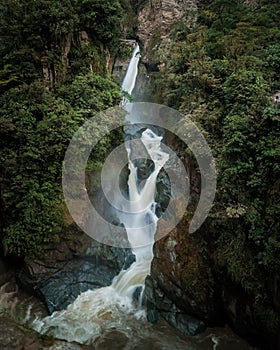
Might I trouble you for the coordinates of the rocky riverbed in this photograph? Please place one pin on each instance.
(18, 309)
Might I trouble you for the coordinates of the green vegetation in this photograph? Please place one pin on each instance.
(54, 75)
(222, 74)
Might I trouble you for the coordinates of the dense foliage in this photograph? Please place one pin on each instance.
(222, 73)
(53, 76)
(37, 31)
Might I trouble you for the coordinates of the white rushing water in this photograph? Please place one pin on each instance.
(132, 71)
(107, 308)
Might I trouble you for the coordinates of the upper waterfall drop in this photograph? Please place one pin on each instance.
(131, 74)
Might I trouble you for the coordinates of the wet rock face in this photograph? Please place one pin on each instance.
(74, 266)
(188, 288)
(159, 305)
(6, 273)
(16, 337)
(181, 287)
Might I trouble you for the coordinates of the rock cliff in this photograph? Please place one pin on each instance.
(77, 264)
(186, 286)
(155, 22)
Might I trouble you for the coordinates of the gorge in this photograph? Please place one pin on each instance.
(82, 320)
(217, 63)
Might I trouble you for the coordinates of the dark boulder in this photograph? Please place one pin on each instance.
(75, 265)
(159, 305)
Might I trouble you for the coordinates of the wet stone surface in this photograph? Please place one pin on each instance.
(17, 310)
(130, 334)
(71, 268)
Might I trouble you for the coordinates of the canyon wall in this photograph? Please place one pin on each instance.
(187, 287)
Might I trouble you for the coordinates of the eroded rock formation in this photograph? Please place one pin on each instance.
(155, 22)
(77, 264)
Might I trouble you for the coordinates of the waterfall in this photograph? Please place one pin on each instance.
(131, 74)
(139, 217)
(107, 307)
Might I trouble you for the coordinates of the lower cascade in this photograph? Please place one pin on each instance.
(84, 320)
(111, 307)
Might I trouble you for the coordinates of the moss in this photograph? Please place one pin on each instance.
(153, 47)
(195, 271)
(267, 318)
(24, 329)
(233, 254)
